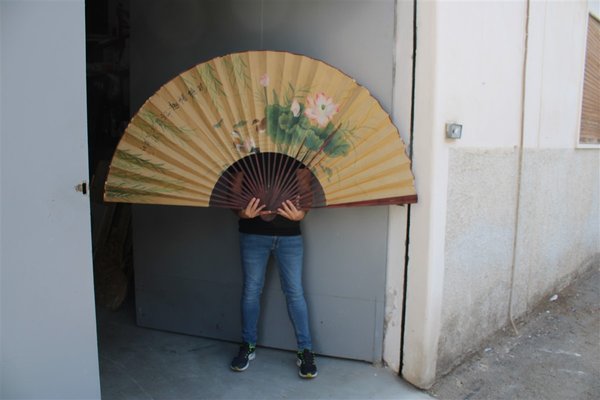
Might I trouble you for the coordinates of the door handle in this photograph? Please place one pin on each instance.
(81, 187)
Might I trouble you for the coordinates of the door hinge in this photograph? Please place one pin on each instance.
(82, 187)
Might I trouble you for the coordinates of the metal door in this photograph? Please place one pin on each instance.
(48, 345)
(188, 276)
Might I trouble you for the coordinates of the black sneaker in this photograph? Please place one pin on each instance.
(242, 360)
(306, 363)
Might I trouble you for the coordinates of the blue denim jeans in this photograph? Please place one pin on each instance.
(289, 253)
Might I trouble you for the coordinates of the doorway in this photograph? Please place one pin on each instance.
(187, 276)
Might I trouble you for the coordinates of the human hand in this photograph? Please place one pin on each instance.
(252, 210)
(290, 211)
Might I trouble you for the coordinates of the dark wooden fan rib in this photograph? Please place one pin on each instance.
(272, 177)
(290, 184)
(287, 180)
(253, 180)
(282, 171)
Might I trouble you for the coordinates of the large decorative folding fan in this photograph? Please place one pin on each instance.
(264, 124)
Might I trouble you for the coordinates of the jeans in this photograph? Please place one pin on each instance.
(289, 251)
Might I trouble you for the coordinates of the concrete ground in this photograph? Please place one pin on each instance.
(139, 363)
(556, 354)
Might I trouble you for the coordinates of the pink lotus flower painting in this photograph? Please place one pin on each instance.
(320, 109)
(295, 117)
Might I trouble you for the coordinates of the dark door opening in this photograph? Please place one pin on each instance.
(107, 59)
(346, 277)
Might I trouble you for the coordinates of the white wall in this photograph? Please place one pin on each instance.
(555, 65)
(425, 269)
(397, 217)
(1, 241)
(48, 346)
(481, 50)
(485, 242)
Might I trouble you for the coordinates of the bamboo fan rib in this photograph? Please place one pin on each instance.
(264, 124)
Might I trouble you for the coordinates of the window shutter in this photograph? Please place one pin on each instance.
(590, 113)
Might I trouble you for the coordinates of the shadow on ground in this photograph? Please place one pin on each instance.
(139, 363)
(556, 354)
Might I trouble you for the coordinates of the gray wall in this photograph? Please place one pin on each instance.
(558, 237)
(480, 229)
(48, 347)
(187, 263)
(559, 222)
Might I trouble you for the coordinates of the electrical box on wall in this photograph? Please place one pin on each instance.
(453, 131)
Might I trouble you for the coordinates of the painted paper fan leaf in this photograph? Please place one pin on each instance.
(265, 124)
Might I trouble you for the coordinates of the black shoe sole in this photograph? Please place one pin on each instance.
(305, 376)
(251, 357)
